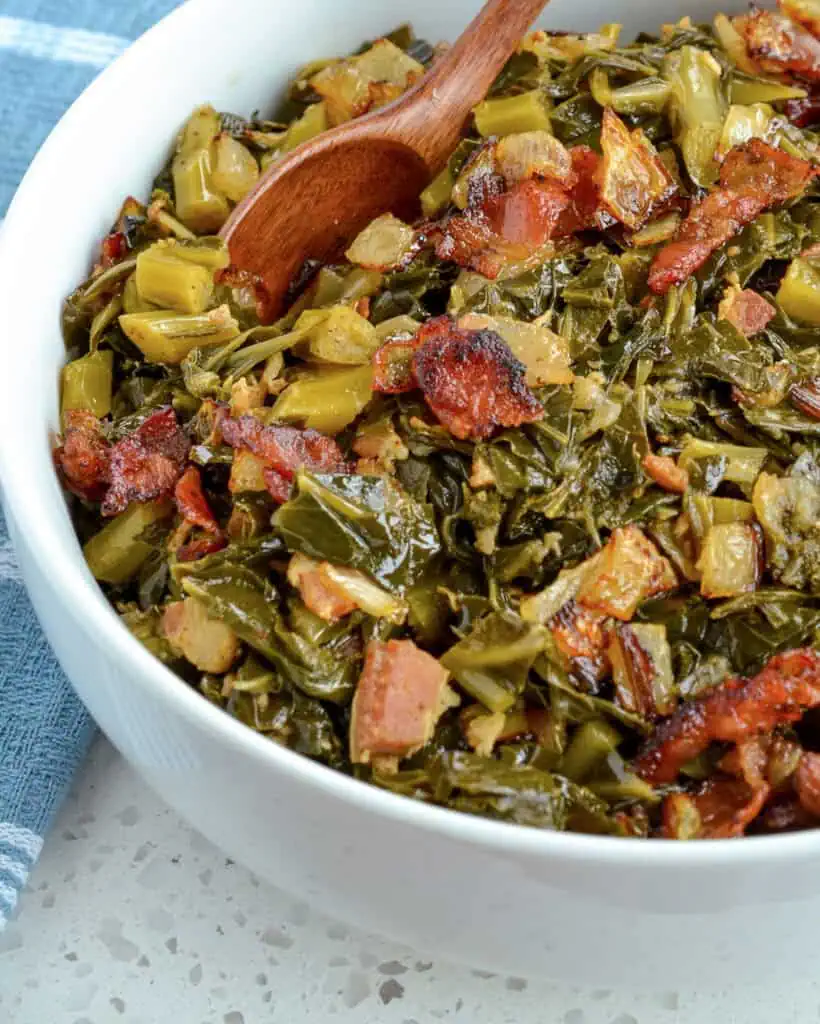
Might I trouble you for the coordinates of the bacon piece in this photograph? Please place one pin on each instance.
(505, 228)
(584, 211)
(734, 711)
(757, 165)
(284, 450)
(780, 46)
(803, 12)
(191, 501)
(805, 112)
(472, 381)
(399, 698)
(753, 177)
(746, 310)
(196, 512)
(785, 813)
(720, 809)
(666, 473)
(807, 783)
(710, 223)
(112, 249)
(199, 547)
(631, 177)
(279, 487)
(253, 287)
(320, 593)
(393, 366)
(84, 458)
(147, 463)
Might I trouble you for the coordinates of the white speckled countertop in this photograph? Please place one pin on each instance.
(132, 918)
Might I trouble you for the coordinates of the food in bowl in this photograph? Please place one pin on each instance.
(515, 510)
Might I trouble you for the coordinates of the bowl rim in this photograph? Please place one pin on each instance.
(88, 607)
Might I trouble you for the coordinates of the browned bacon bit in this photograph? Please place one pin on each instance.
(199, 547)
(284, 450)
(780, 46)
(785, 813)
(666, 473)
(191, 501)
(508, 227)
(112, 249)
(251, 287)
(584, 211)
(147, 463)
(749, 312)
(805, 112)
(196, 512)
(804, 12)
(472, 381)
(753, 177)
(319, 591)
(84, 457)
(399, 698)
(279, 486)
(393, 366)
(720, 809)
(807, 782)
(734, 711)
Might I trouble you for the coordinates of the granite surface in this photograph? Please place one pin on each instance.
(131, 917)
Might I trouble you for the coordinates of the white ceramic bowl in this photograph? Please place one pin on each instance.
(504, 898)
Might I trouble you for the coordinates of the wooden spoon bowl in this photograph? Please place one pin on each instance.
(311, 203)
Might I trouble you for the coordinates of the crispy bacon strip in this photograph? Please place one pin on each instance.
(279, 486)
(805, 112)
(721, 809)
(753, 177)
(472, 381)
(252, 289)
(196, 512)
(804, 12)
(112, 249)
(191, 501)
(734, 711)
(84, 458)
(505, 227)
(147, 463)
(584, 211)
(780, 46)
(749, 312)
(284, 450)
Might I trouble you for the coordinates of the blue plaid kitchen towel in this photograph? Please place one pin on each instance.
(49, 51)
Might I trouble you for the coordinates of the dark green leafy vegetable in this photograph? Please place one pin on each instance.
(517, 506)
(364, 522)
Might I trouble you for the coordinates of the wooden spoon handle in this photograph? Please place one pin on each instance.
(430, 118)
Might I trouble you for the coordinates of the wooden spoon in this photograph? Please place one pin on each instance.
(313, 202)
